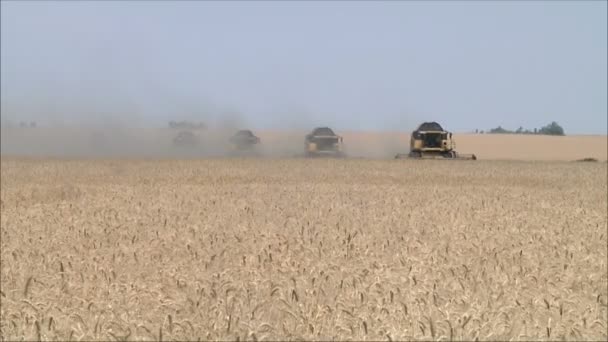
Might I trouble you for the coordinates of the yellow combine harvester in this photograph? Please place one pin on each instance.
(431, 141)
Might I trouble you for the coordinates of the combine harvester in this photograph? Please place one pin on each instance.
(244, 143)
(186, 139)
(431, 141)
(323, 142)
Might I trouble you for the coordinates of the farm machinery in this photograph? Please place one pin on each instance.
(244, 141)
(431, 141)
(185, 139)
(322, 141)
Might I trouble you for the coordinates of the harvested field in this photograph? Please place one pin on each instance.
(303, 249)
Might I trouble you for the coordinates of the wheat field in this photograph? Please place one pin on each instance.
(275, 249)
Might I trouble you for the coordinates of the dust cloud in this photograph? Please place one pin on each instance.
(119, 130)
(120, 140)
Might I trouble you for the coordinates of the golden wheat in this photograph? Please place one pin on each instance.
(303, 249)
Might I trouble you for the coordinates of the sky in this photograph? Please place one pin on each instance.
(364, 65)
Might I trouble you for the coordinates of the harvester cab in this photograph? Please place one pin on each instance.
(431, 141)
(322, 141)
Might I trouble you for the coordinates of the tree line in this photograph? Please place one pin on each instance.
(551, 129)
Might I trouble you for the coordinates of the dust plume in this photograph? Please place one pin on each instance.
(90, 127)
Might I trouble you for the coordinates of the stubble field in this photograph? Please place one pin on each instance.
(227, 249)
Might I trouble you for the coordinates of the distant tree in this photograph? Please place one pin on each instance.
(552, 129)
(476, 131)
(33, 124)
(499, 130)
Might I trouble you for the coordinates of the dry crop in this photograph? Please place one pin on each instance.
(303, 249)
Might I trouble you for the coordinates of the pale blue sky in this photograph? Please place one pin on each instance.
(350, 65)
